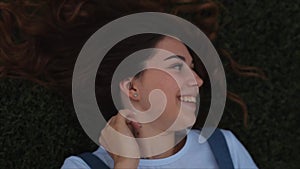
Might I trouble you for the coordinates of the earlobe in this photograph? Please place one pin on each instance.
(129, 89)
(135, 95)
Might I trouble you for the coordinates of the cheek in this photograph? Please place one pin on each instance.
(165, 121)
(168, 85)
(163, 82)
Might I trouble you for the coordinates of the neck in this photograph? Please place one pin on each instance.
(155, 145)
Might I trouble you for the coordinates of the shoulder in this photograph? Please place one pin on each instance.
(74, 162)
(234, 145)
(240, 156)
(229, 136)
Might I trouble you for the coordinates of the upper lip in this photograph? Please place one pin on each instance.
(194, 92)
(190, 93)
(187, 94)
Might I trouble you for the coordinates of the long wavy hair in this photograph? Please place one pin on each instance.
(40, 40)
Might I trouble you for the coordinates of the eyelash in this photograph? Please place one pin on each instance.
(177, 66)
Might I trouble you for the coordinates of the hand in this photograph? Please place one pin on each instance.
(118, 139)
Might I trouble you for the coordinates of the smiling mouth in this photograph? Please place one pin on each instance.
(187, 99)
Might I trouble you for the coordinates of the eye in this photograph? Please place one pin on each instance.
(177, 66)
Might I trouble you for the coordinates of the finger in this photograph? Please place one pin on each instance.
(111, 120)
(128, 122)
(136, 125)
(104, 143)
(127, 114)
(131, 118)
(133, 124)
(121, 117)
(102, 140)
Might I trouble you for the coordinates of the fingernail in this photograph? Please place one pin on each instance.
(137, 125)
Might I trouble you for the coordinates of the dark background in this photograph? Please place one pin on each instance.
(39, 130)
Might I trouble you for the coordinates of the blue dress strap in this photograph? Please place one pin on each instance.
(220, 150)
(93, 161)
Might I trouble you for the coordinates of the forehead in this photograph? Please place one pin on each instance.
(172, 46)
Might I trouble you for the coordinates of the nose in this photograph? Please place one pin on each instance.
(196, 80)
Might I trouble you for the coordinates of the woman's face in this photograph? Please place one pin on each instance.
(176, 79)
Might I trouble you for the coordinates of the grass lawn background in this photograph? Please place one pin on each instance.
(39, 130)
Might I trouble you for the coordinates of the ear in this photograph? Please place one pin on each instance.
(129, 88)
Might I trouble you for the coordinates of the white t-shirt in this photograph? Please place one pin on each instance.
(192, 155)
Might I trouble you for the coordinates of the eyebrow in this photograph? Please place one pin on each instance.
(175, 57)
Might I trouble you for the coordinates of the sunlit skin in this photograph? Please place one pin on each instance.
(177, 66)
(180, 67)
(178, 114)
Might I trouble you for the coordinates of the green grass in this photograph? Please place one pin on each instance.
(39, 130)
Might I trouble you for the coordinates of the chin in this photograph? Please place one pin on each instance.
(183, 123)
(189, 116)
(190, 123)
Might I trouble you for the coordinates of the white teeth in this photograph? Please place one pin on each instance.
(190, 99)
